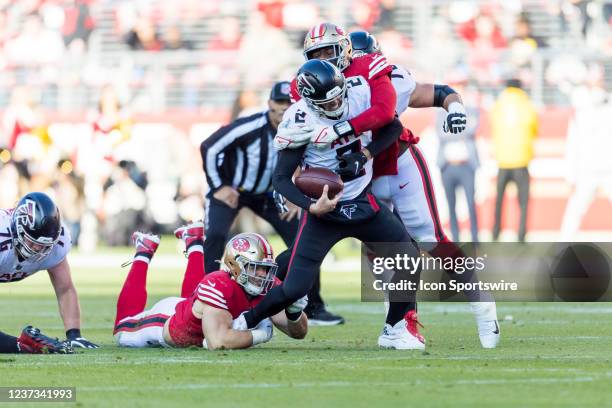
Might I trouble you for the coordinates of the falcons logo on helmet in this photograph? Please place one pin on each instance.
(305, 88)
(25, 214)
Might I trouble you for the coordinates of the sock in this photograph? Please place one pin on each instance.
(8, 344)
(195, 269)
(397, 311)
(133, 296)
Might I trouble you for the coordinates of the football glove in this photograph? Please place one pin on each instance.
(456, 119)
(262, 333)
(280, 202)
(292, 137)
(298, 306)
(351, 165)
(73, 336)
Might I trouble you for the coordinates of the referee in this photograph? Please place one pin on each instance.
(239, 160)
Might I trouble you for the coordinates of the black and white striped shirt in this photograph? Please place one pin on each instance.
(241, 155)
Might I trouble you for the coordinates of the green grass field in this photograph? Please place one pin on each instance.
(550, 355)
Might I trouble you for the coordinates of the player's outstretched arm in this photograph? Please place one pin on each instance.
(383, 101)
(441, 96)
(69, 307)
(218, 332)
(296, 329)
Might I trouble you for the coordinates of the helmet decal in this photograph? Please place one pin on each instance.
(305, 88)
(241, 244)
(25, 214)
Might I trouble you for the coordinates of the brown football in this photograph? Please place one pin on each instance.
(312, 180)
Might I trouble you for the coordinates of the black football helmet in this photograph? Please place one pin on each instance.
(364, 43)
(35, 226)
(323, 87)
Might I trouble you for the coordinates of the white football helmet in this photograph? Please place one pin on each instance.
(329, 35)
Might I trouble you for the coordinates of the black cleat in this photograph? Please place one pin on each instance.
(319, 316)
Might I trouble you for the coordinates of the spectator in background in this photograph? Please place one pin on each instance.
(35, 45)
(523, 45)
(69, 195)
(173, 39)
(365, 14)
(588, 147)
(458, 160)
(247, 103)
(23, 117)
(78, 24)
(387, 13)
(143, 36)
(514, 127)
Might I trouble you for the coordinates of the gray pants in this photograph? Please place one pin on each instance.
(454, 176)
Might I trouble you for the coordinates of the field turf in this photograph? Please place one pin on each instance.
(552, 355)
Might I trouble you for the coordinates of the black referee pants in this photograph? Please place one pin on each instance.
(314, 239)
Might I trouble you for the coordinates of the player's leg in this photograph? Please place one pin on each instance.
(401, 325)
(146, 329)
(8, 343)
(193, 236)
(217, 222)
(317, 314)
(133, 296)
(313, 241)
(467, 180)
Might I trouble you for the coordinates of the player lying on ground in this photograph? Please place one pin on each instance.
(328, 99)
(203, 315)
(33, 238)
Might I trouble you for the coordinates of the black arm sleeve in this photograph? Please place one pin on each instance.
(288, 161)
(385, 136)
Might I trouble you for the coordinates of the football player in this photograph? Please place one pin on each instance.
(33, 238)
(401, 176)
(328, 99)
(203, 315)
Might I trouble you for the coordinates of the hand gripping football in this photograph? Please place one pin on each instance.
(312, 180)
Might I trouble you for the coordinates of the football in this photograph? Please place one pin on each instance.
(312, 180)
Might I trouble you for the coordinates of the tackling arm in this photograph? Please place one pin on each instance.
(430, 95)
(218, 332)
(383, 100)
(296, 329)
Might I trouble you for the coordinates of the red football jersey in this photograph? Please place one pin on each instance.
(218, 290)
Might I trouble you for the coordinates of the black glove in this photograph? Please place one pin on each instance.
(73, 336)
(351, 165)
(456, 119)
(280, 202)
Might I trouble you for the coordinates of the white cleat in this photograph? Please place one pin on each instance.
(488, 326)
(403, 336)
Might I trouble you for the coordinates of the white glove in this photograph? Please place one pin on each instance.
(240, 323)
(292, 137)
(323, 136)
(298, 306)
(456, 119)
(262, 333)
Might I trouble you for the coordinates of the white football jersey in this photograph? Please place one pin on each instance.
(404, 85)
(358, 100)
(10, 267)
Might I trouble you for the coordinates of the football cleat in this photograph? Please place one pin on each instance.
(404, 335)
(32, 341)
(319, 316)
(488, 326)
(190, 233)
(145, 243)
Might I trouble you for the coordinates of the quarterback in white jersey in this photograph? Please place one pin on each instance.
(33, 238)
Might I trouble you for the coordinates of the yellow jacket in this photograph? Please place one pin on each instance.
(514, 126)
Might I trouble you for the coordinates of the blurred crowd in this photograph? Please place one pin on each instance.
(108, 60)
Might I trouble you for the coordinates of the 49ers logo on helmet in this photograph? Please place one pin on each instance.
(241, 244)
(25, 214)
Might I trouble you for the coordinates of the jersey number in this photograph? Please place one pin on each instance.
(353, 81)
(353, 147)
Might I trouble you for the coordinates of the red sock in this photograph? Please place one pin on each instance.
(194, 272)
(133, 296)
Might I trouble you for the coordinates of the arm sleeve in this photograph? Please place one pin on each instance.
(383, 99)
(288, 161)
(211, 150)
(385, 136)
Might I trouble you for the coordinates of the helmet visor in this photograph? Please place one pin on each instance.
(257, 277)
